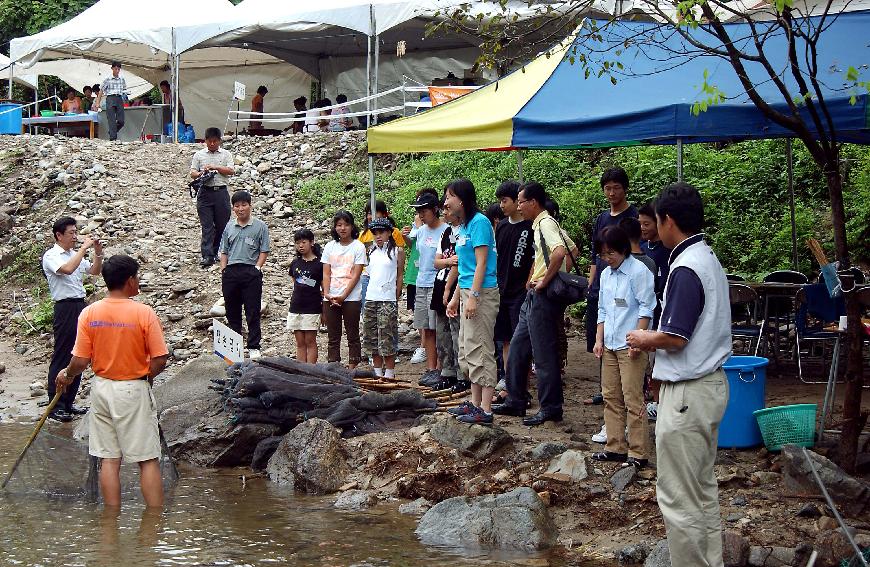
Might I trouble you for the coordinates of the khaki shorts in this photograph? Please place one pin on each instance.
(303, 321)
(123, 420)
(424, 316)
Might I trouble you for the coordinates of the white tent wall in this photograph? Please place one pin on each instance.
(207, 77)
(348, 74)
(80, 72)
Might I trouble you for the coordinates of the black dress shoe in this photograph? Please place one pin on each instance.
(541, 417)
(75, 410)
(508, 409)
(206, 262)
(60, 415)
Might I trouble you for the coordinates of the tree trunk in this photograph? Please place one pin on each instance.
(853, 419)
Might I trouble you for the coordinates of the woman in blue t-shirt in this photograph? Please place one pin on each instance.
(477, 301)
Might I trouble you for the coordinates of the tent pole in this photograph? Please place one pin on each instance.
(174, 81)
(11, 74)
(790, 167)
(372, 183)
(176, 63)
(679, 159)
(375, 79)
(520, 165)
(369, 81)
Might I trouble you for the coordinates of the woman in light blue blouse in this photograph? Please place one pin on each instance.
(626, 302)
(477, 301)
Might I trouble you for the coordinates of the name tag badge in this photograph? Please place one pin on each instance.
(302, 280)
(416, 263)
(249, 241)
(620, 302)
(460, 241)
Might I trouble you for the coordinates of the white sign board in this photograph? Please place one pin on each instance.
(239, 91)
(227, 343)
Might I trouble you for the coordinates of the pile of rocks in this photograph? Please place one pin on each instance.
(134, 197)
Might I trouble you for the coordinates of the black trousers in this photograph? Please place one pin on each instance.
(242, 285)
(66, 318)
(213, 208)
(114, 115)
(536, 337)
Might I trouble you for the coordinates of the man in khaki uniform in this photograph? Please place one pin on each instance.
(692, 342)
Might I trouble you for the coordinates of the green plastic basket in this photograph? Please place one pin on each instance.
(783, 425)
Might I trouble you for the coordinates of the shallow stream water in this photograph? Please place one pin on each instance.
(211, 517)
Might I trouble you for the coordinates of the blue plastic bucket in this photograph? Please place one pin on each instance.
(10, 118)
(746, 382)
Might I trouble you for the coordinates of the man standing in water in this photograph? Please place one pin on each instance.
(64, 270)
(692, 342)
(123, 342)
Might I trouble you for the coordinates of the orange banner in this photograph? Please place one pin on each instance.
(440, 95)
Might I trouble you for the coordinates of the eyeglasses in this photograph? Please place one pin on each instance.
(610, 253)
(521, 201)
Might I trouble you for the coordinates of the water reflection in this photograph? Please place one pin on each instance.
(212, 518)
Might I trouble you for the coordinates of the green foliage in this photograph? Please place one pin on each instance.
(745, 189)
(20, 18)
(713, 96)
(42, 316)
(26, 266)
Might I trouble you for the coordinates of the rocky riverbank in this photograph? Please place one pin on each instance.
(134, 196)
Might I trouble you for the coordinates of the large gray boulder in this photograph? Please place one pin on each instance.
(851, 495)
(312, 457)
(190, 415)
(211, 442)
(476, 441)
(518, 519)
(191, 383)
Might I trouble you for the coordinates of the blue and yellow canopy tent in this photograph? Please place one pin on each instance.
(661, 92)
(552, 103)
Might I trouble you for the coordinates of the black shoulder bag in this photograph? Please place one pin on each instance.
(566, 288)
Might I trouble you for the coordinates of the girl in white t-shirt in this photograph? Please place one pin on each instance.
(381, 319)
(343, 260)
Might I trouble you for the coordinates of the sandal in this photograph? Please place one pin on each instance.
(608, 456)
(635, 462)
(595, 400)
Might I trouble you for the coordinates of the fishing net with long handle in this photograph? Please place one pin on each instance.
(58, 466)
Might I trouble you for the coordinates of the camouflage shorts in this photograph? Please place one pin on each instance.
(447, 345)
(380, 328)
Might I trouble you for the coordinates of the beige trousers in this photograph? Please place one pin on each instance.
(687, 430)
(622, 387)
(476, 346)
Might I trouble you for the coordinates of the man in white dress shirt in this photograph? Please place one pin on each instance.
(65, 270)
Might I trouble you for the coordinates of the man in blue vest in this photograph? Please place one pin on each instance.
(691, 344)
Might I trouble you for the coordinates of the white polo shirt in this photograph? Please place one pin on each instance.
(62, 286)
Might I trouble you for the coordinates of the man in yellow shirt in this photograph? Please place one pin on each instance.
(537, 330)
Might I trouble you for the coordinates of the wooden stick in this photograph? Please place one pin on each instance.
(32, 436)
(817, 251)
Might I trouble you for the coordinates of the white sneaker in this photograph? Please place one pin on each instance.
(652, 410)
(419, 356)
(601, 436)
(254, 354)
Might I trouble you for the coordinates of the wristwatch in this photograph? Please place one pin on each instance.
(475, 294)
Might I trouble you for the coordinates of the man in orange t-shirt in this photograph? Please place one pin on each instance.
(123, 342)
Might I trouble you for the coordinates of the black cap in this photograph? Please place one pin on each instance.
(426, 201)
(380, 224)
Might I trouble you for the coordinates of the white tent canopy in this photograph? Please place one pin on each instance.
(140, 37)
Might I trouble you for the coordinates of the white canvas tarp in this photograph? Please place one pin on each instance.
(206, 90)
(138, 35)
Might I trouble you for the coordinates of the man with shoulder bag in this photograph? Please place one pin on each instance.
(210, 170)
(550, 289)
